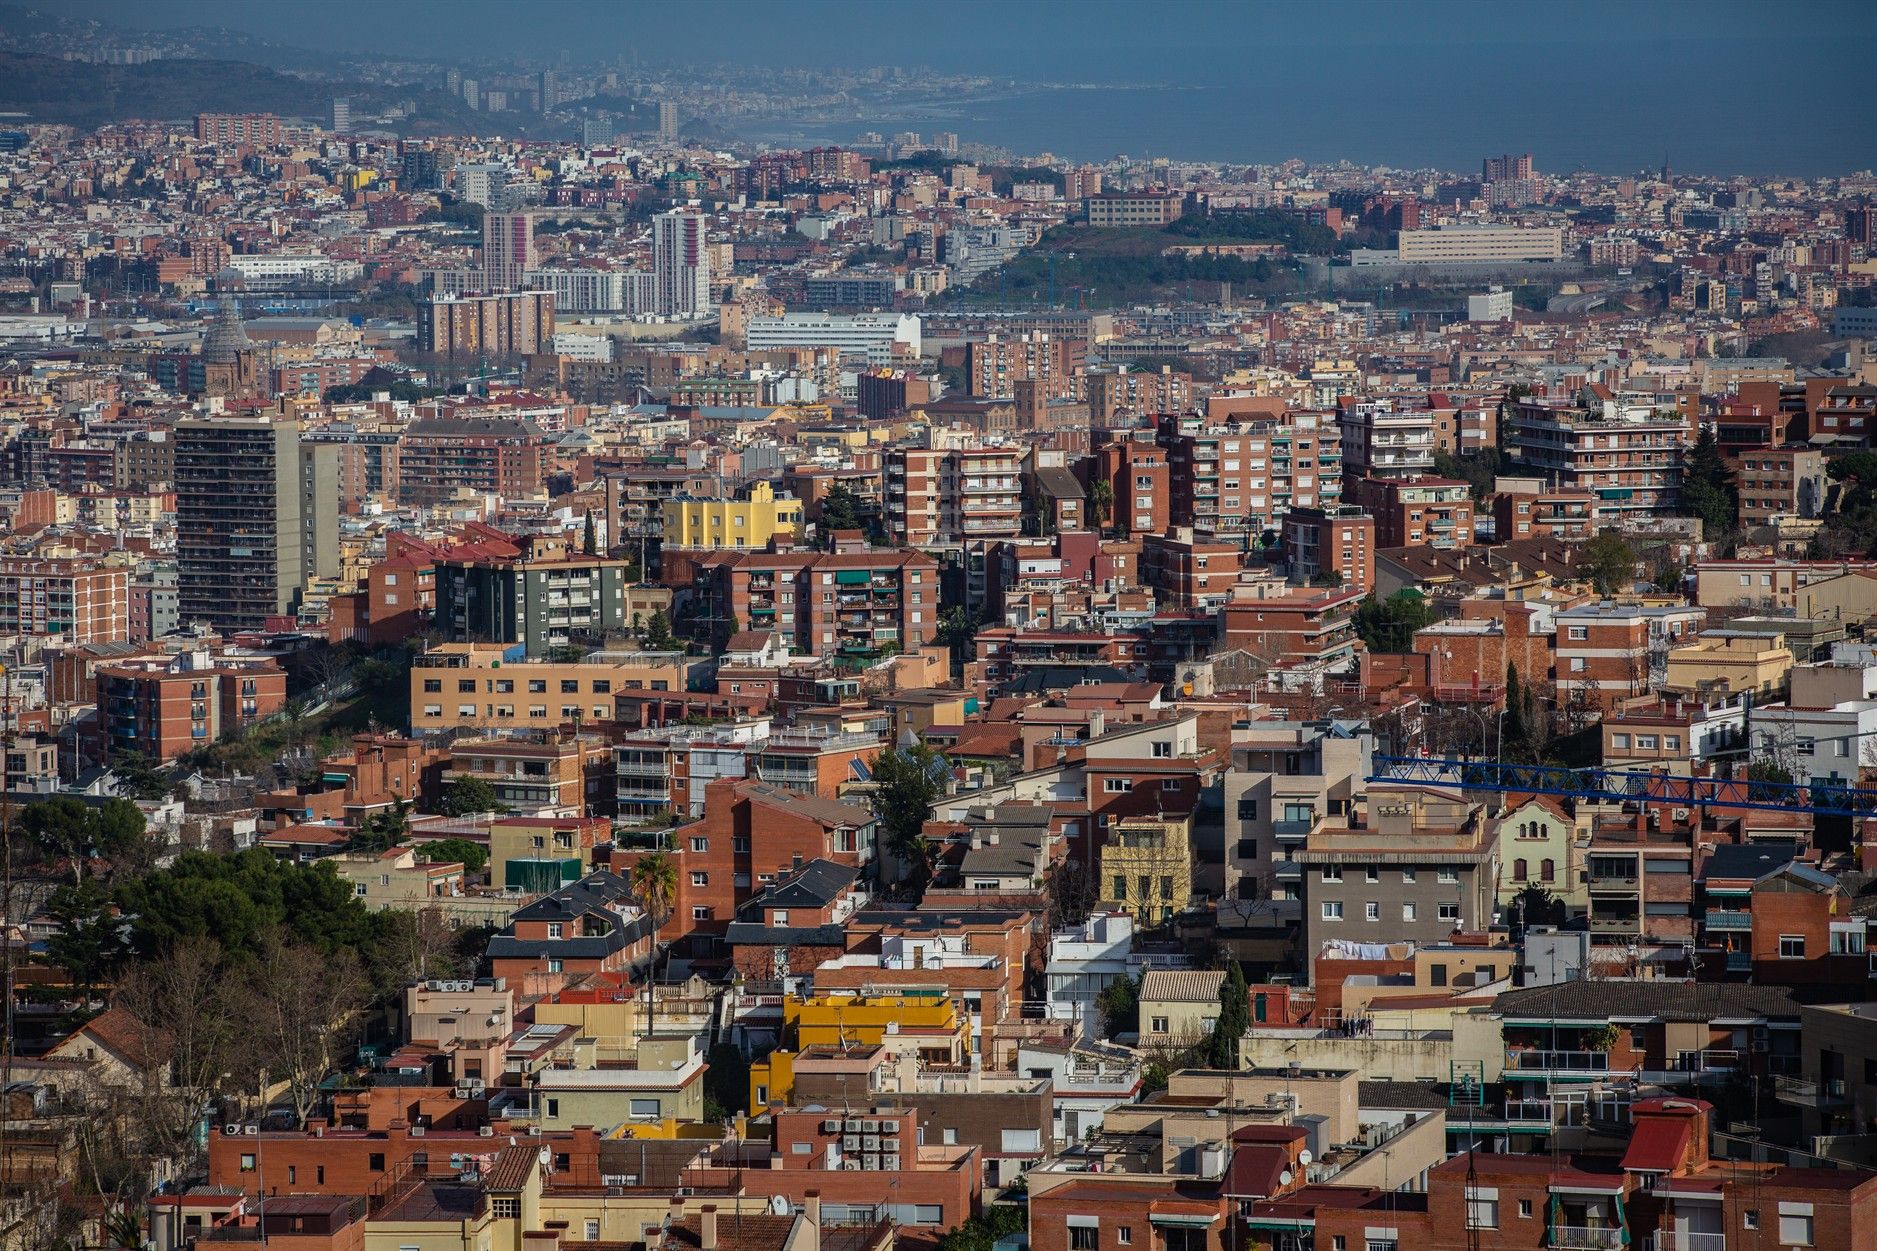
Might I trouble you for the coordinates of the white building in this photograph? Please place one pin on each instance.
(1828, 729)
(287, 268)
(482, 184)
(630, 291)
(681, 265)
(1493, 305)
(872, 335)
(1481, 244)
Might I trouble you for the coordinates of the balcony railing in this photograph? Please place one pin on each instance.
(1585, 1062)
(1588, 1237)
(1295, 829)
(1683, 1240)
(1809, 1094)
(1727, 919)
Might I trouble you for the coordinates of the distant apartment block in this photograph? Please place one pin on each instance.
(262, 129)
(514, 323)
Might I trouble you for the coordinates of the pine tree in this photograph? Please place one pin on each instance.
(591, 544)
(1234, 1018)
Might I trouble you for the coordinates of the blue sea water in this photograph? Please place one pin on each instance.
(1615, 111)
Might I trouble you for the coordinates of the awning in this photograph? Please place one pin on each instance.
(852, 577)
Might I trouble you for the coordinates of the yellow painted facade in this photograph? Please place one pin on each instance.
(1147, 867)
(731, 524)
(1760, 665)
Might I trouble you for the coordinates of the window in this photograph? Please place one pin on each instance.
(1792, 946)
(1162, 750)
(1749, 1219)
(700, 845)
(1372, 874)
(1448, 877)
(1520, 870)
(593, 1230)
(537, 686)
(700, 879)
(555, 929)
(569, 686)
(645, 1107)
(1482, 1213)
(700, 914)
(1084, 1239)
(1332, 909)
(433, 686)
(1333, 873)
(1645, 742)
(247, 1162)
(1022, 1140)
(1620, 740)
(951, 1137)
(1117, 786)
(1577, 664)
(1247, 810)
(1124, 1234)
(1547, 871)
(1407, 877)
(1372, 910)
(375, 1162)
(1120, 886)
(1525, 1209)
(505, 1207)
(1449, 912)
(1795, 1229)
(1169, 784)
(927, 1214)
(1408, 912)
(1579, 633)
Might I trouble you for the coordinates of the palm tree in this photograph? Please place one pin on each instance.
(654, 881)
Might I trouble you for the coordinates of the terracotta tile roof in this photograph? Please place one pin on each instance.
(1181, 985)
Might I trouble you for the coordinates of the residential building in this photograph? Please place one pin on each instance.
(1179, 1008)
(753, 521)
(64, 600)
(507, 250)
(508, 323)
(1240, 480)
(1146, 867)
(1481, 244)
(165, 706)
(681, 265)
(553, 772)
(1418, 510)
(542, 597)
(1287, 778)
(1334, 546)
(880, 338)
(1629, 457)
(1127, 208)
(1613, 651)
(241, 544)
(1779, 482)
(540, 853)
(1383, 438)
(488, 688)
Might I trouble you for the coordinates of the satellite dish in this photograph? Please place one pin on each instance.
(546, 1157)
(1304, 1157)
(779, 1205)
(1284, 1178)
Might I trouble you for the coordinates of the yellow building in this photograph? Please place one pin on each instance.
(1179, 1007)
(1731, 664)
(729, 524)
(1147, 867)
(929, 1027)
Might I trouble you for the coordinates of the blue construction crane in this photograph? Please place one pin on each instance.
(1827, 797)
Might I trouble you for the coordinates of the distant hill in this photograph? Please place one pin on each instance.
(84, 94)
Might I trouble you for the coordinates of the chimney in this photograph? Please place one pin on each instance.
(811, 1211)
(707, 1227)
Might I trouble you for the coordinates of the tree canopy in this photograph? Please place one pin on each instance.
(468, 796)
(1610, 561)
(1388, 625)
(1707, 488)
(906, 785)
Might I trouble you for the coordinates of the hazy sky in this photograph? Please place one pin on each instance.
(1106, 38)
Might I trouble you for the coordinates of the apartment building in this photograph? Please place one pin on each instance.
(1523, 508)
(1335, 544)
(1402, 863)
(1134, 208)
(1779, 482)
(1628, 457)
(1385, 438)
(995, 364)
(669, 769)
(952, 496)
(1139, 480)
(553, 772)
(1309, 625)
(1418, 510)
(162, 707)
(538, 597)
(1188, 572)
(1617, 651)
(241, 537)
(65, 600)
(441, 456)
(509, 323)
(1639, 874)
(1287, 779)
(487, 687)
(1481, 244)
(1123, 391)
(1145, 867)
(1242, 479)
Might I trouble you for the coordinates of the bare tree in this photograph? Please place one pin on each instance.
(194, 1035)
(420, 945)
(301, 1005)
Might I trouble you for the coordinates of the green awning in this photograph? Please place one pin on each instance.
(853, 577)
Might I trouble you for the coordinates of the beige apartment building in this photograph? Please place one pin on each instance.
(486, 686)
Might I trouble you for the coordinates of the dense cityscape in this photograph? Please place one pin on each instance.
(623, 653)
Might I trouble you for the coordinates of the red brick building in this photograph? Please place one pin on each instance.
(163, 707)
(1418, 511)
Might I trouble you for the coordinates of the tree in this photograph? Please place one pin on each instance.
(955, 631)
(469, 796)
(1610, 561)
(300, 1007)
(472, 856)
(654, 882)
(658, 636)
(1535, 905)
(840, 510)
(1234, 1018)
(1388, 625)
(67, 834)
(1120, 1007)
(138, 777)
(906, 783)
(237, 900)
(590, 542)
(91, 939)
(195, 1042)
(726, 1083)
(1707, 488)
(382, 830)
(1100, 504)
(1519, 739)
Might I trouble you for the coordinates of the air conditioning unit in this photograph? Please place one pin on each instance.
(252, 1131)
(832, 1126)
(487, 1131)
(870, 1127)
(890, 1163)
(850, 1142)
(231, 1131)
(853, 1125)
(417, 1131)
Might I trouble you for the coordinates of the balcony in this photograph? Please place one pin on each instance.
(1287, 871)
(1615, 924)
(1687, 1240)
(1799, 1092)
(1729, 919)
(1296, 829)
(1588, 1237)
(1584, 1064)
(1622, 880)
(1529, 1111)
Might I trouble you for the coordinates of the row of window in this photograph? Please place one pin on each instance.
(536, 686)
(1372, 911)
(1334, 873)
(568, 712)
